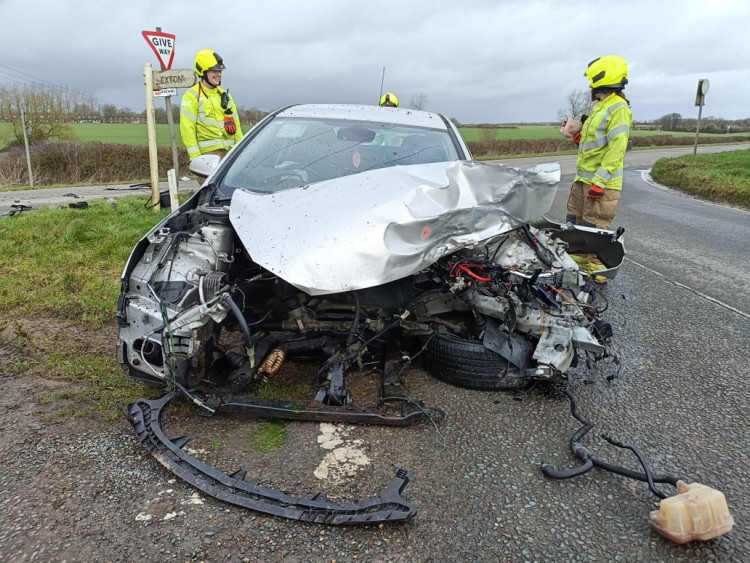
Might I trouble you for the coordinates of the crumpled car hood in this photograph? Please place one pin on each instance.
(378, 226)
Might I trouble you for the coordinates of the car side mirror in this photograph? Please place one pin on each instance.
(205, 165)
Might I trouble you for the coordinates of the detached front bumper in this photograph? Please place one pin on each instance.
(145, 416)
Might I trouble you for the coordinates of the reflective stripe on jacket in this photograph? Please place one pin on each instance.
(202, 121)
(604, 139)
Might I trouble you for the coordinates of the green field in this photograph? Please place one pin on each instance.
(121, 133)
(125, 133)
(513, 132)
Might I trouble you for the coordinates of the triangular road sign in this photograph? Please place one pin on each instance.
(163, 46)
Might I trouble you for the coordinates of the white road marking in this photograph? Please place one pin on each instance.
(690, 289)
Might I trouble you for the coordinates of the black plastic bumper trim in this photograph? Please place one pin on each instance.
(145, 416)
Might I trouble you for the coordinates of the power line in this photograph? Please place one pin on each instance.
(6, 77)
(41, 80)
(30, 76)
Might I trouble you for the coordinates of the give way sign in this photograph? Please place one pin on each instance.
(163, 46)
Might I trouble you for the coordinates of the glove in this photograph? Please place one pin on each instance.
(577, 138)
(595, 192)
(229, 125)
(570, 128)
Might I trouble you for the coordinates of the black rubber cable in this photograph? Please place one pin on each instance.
(590, 461)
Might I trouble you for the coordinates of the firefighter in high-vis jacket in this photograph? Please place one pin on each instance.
(389, 100)
(209, 123)
(602, 139)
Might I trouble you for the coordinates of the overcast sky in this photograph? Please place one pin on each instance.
(480, 61)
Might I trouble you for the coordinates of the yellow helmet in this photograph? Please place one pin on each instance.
(609, 71)
(389, 99)
(205, 60)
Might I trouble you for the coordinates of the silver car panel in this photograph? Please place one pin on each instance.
(371, 228)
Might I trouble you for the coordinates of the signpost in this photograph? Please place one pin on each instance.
(163, 84)
(151, 130)
(700, 98)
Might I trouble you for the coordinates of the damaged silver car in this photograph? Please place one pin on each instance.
(352, 235)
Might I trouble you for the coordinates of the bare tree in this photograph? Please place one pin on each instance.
(671, 122)
(249, 117)
(160, 115)
(126, 115)
(86, 109)
(578, 103)
(109, 112)
(48, 110)
(418, 101)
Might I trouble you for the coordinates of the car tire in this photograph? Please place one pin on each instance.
(469, 364)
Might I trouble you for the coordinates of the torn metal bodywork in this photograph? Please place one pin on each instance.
(145, 416)
(394, 221)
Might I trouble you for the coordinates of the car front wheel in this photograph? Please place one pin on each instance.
(469, 364)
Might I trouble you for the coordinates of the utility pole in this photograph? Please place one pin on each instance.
(26, 134)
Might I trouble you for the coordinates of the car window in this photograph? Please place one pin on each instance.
(288, 153)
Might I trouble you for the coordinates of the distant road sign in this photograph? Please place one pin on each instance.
(177, 78)
(700, 96)
(163, 46)
(165, 92)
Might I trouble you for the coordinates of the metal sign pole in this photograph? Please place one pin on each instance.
(700, 99)
(697, 130)
(151, 128)
(170, 121)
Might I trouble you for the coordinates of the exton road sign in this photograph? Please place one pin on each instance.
(163, 46)
(176, 78)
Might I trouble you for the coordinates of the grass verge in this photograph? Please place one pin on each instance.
(66, 263)
(721, 177)
(59, 282)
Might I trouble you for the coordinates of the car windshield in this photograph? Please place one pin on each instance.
(293, 152)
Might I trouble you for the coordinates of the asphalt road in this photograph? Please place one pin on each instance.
(63, 197)
(680, 310)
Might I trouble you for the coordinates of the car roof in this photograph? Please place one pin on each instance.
(377, 114)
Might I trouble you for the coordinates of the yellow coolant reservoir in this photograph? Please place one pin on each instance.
(697, 512)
